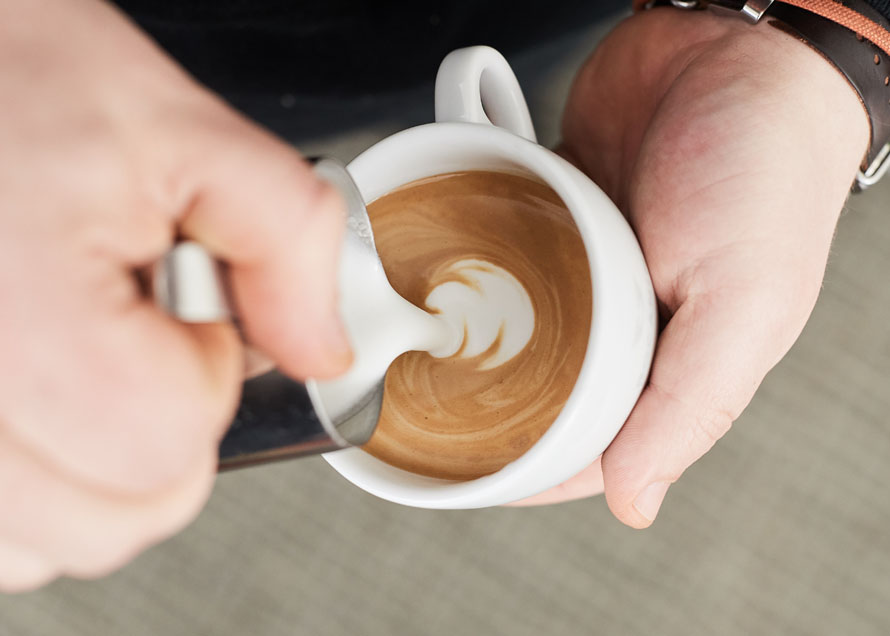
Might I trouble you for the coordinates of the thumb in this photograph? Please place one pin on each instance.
(259, 207)
(710, 360)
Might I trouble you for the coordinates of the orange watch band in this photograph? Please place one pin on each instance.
(836, 12)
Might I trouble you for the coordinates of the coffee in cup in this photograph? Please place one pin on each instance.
(499, 257)
(483, 127)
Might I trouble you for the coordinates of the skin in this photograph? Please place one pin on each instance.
(729, 148)
(110, 411)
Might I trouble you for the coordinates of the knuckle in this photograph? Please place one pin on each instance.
(96, 559)
(101, 546)
(166, 443)
(784, 311)
(23, 570)
(170, 419)
(98, 155)
(137, 427)
(320, 216)
(12, 584)
(697, 427)
(95, 562)
(144, 444)
(98, 550)
(707, 427)
(326, 199)
(316, 198)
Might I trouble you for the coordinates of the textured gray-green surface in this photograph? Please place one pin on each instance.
(784, 528)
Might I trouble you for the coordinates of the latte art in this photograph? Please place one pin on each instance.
(489, 306)
(498, 258)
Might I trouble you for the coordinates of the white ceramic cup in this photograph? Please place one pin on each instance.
(482, 123)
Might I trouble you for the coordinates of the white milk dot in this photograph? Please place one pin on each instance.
(494, 302)
(382, 325)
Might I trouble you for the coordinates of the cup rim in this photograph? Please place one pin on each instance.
(554, 171)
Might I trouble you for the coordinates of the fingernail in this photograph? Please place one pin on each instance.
(649, 500)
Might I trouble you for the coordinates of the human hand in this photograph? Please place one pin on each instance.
(730, 149)
(110, 411)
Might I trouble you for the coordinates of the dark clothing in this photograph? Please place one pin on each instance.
(881, 6)
(343, 48)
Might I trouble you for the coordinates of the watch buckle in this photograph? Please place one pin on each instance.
(751, 11)
(876, 169)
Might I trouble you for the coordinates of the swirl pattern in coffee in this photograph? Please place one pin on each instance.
(499, 257)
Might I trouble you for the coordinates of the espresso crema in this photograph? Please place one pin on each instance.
(498, 257)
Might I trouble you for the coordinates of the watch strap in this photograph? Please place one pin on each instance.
(850, 34)
(863, 63)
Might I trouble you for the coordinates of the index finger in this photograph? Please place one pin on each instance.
(259, 207)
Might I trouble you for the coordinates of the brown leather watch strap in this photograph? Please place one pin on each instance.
(865, 65)
(859, 17)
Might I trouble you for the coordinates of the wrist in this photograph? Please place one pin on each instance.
(821, 43)
(822, 112)
(839, 126)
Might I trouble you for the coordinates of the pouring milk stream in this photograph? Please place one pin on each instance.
(483, 304)
(482, 310)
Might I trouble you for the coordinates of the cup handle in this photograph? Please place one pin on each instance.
(477, 85)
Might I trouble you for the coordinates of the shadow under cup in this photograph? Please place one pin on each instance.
(621, 338)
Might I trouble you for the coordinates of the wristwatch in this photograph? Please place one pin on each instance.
(851, 35)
